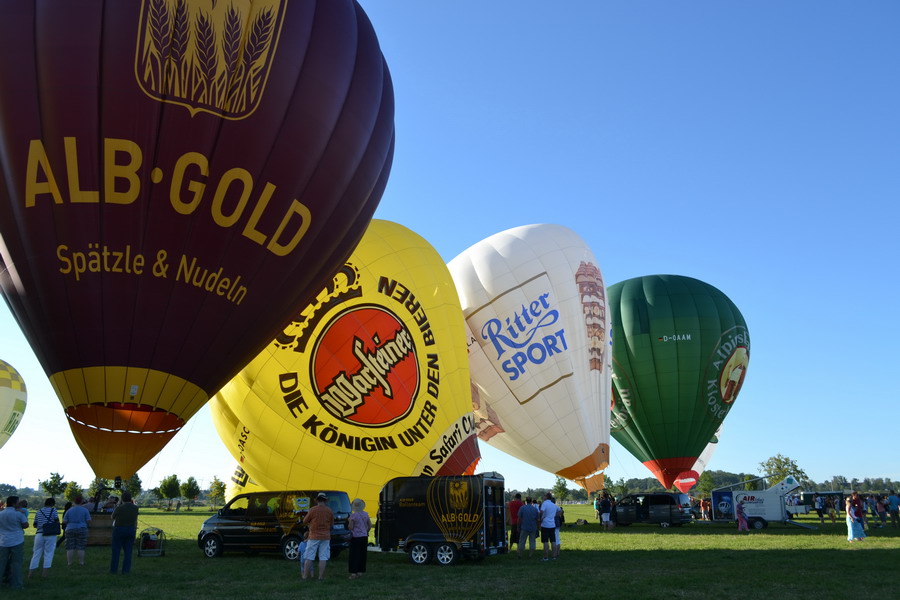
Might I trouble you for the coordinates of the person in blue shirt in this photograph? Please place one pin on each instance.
(13, 523)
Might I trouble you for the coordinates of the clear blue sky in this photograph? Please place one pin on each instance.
(753, 145)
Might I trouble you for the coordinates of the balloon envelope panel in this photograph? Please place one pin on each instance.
(369, 382)
(177, 176)
(13, 400)
(536, 309)
(680, 353)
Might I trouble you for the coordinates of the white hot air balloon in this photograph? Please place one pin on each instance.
(539, 357)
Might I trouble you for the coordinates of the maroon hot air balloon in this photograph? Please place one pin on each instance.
(177, 176)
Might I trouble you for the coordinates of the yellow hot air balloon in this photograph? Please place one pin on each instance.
(13, 398)
(367, 383)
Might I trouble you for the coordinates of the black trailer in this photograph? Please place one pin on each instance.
(443, 518)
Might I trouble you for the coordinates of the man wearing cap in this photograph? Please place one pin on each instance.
(320, 520)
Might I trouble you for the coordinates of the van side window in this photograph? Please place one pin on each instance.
(238, 507)
(661, 500)
(263, 505)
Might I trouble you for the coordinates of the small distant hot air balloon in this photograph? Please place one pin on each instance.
(177, 176)
(535, 305)
(13, 398)
(369, 382)
(680, 354)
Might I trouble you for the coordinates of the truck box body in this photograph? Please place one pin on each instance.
(439, 514)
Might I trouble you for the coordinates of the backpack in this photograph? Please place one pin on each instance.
(50, 526)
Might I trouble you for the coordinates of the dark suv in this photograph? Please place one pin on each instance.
(271, 521)
(664, 508)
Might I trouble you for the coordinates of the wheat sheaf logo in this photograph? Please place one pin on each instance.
(208, 55)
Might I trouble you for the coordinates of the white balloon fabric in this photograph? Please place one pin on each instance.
(539, 355)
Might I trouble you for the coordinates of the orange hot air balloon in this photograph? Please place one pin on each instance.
(177, 176)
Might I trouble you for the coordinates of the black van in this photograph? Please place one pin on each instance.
(271, 522)
(664, 508)
(441, 518)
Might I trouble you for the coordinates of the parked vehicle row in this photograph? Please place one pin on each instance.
(432, 519)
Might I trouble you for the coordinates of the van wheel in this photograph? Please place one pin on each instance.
(758, 523)
(420, 553)
(290, 547)
(212, 546)
(446, 554)
(664, 524)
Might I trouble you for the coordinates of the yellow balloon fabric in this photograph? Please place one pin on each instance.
(13, 399)
(367, 383)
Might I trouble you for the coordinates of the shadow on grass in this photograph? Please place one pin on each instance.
(637, 562)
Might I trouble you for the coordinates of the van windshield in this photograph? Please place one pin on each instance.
(339, 505)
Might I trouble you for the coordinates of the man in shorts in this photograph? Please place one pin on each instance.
(320, 520)
(548, 525)
(605, 510)
(75, 522)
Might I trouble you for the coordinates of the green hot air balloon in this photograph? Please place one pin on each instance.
(680, 354)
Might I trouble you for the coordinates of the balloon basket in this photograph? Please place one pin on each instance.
(152, 542)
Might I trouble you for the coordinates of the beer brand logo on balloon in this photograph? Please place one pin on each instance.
(381, 390)
(726, 370)
(208, 56)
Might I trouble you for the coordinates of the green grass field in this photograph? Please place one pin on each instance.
(700, 560)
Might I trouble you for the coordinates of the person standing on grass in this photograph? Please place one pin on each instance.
(124, 521)
(741, 517)
(859, 508)
(62, 538)
(13, 522)
(320, 520)
(360, 524)
(819, 504)
(44, 542)
(548, 525)
(529, 517)
(605, 510)
(76, 522)
(854, 522)
(893, 506)
(881, 509)
(512, 515)
(829, 506)
(560, 519)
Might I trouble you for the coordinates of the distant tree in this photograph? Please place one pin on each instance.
(133, 485)
(55, 486)
(98, 486)
(778, 467)
(156, 494)
(706, 484)
(190, 490)
(6, 490)
(216, 491)
(170, 488)
(72, 491)
(750, 485)
(560, 490)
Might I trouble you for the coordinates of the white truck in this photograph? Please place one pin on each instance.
(760, 506)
